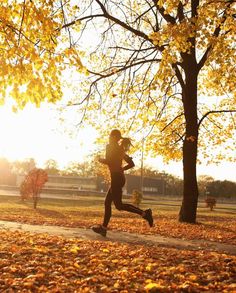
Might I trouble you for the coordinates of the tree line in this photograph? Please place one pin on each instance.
(173, 185)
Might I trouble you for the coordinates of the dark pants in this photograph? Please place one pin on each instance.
(114, 195)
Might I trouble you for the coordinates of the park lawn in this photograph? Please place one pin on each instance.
(218, 225)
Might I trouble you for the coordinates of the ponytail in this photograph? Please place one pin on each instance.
(126, 143)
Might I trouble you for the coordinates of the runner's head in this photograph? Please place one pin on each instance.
(115, 135)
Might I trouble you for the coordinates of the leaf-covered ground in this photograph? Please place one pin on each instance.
(210, 227)
(42, 263)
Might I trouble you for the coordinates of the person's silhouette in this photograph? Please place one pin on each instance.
(115, 154)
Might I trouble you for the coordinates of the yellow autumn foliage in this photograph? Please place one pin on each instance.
(35, 50)
(146, 101)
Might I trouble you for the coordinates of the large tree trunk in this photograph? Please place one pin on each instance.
(188, 211)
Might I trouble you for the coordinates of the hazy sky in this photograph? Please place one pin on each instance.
(35, 132)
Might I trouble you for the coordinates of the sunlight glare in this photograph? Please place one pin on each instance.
(34, 133)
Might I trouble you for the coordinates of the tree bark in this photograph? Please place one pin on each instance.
(35, 199)
(188, 211)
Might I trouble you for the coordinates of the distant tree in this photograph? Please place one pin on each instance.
(174, 186)
(33, 184)
(24, 166)
(203, 182)
(84, 169)
(147, 172)
(222, 188)
(51, 167)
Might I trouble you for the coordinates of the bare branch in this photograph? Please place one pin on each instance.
(65, 21)
(129, 49)
(125, 25)
(213, 122)
(89, 17)
(21, 24)
(124, 68)
(145, 12)
(213, 112)
(179, 75)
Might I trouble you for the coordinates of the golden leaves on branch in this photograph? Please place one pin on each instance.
(34, 51)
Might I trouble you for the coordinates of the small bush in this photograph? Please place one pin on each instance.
(137, 197)
(32, 185)
(210, 202)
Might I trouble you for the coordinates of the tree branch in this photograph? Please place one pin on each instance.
(132, 50)
(121, 23)
(204, 58)
(181, 114)
(81, 19)
(179, 75)
(21, 24)
(65, 21)
(212, 112)
(168, 18)
(123, 68)
(194, 6)
(215, 34)
(126, 26)
(180, 11)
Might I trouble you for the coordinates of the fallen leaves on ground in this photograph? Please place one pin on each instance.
(211, 228)
(42, 263)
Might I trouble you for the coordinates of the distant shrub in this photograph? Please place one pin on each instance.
(137, 197)
(210, 202)
(33, 184)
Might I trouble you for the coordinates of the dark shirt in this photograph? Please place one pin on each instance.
(114, 157)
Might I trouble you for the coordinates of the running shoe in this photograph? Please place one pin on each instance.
(148, 217)
(100, 230)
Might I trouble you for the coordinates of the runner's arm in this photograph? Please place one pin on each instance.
(129, 161)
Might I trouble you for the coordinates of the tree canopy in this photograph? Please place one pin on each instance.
(137, 65)
(35, 50)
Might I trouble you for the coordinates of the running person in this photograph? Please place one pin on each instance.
(115, 154)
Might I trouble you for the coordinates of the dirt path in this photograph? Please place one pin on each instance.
(123, 237)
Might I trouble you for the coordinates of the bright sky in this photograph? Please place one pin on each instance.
(36, 133)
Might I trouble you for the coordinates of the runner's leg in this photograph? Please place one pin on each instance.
(107, 213)
(117, 184)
